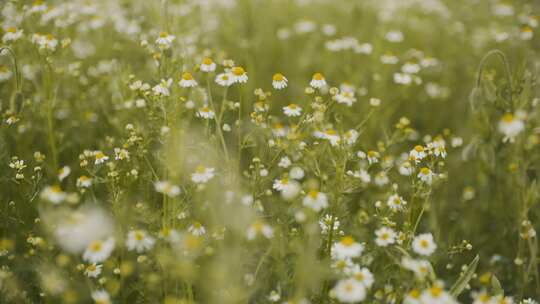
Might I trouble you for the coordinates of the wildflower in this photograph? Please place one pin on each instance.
(405, 169)
(417, 154)
(280, 184)
(351, 136)
(413, 297)
(121, 154)
(139, 240)
(100, 157)
(63, 172)
(202, 174)
(332, 136)
(423, 244)
(12, 34)
(84, 182)
(98, 250)
(165, 40)
(206, 113)
(167, 188)
(187, 81)
(315, 200)
(5, 73)
(101, 297)
(381, 179)
(259, 228)
(373, 157)
(349, 291)
(421, 268)
(296, 173)
(208, 65)
(396, 202)
(279, 81)
(45, 42)
(197, 229)
(347, 248)
(364, 276)
(93, 270)
(326, 222)
(426, 175)
(162, 89)
(239, 75)
(385, 236)
(53, 194)
(284, 162)
(279, 130)
(225, 79)
(317, 81)
(346, 97)
(292, 110)
(510, 126)
(435, 294)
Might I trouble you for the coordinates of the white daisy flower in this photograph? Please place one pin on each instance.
(93, 270)
(417, 154)
(347, 248)
(12, 34)
(364, 276)
(53, 194)
(206, 113)
(426, 175)
(292, 110)
(224, 79)
(296, 173)
(197, 229)
(98, 251)
(284, 162)
(84, 182)
(101, 297)
(351, 136)
(239, 75)
(437, 295)
(424, 244)
(259, 228)
(162, 89)
(332, 136)
(202, 174)
(100, 157)
(279, 81)
(317, 81)
(349, 291)
(373, 157)
(64, 172)
(280, 184)
(396, 202)
(406, 169)
(385, 236)
(345, 97)
(510, 126)
(167, 188)
(187, 80)
(139, 240)
(381, 179)
(315, 200)
(165, 40)
(208, 65)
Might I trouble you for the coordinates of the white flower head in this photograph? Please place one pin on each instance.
(317, 81)
(347, 247)
(385, 236)
(315, 200)
(279, 81)
(510, 126)
(202, 174)
(98, 250)
(139, 240)
(292, 110)
(424, 244)
(349, 291)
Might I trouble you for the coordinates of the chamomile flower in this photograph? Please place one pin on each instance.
(139, 240)
(437, 295)
(162, 88)
(207, 65)
(364, 276)
(351, 136)
(420, 268)
(224, 79)
(317, 81)
(510, 126)
(426, 175)
(315, 200)
(396, 202)
(12, 34)
(381, 179)
(187, 81)
(63, 172)
(345, 97)
(292, 110)
(349, 291)
(100, 157)
(284, 162)
(197, 229)
(424, 244)
(84, 181)
(167, 188)
(5, 73)
(373, 157)
(332, 136)
(417, 154)
(53, 194)
(405, 169)
(101, 297)
(347, 247)
(413, 297)
(259, 228)
(385, 236)
(165, 40)
(202, 174)
(239, 75)
(98, 250)
(206, 113)
(93, 270)
(279, 81)
(45, 42)
(280, 184)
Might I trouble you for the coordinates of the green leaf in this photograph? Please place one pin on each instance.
(464, 279)
(496, 286)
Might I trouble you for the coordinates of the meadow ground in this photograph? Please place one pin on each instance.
(269, 151)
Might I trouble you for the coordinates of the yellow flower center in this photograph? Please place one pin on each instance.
(278, 77)
(419, 148)
(508, 117)
(414, 294)
(292, 106)
(96, 246)
(424, 243)
(330, 132)
(347, 241)
(424, 171)
(56, 189)
(207, 61)
(436, 291)
(99, 155)
(187, 76)
(238, 71)
(12, 29)
(139, 236)
(163, 34)
(313, 194)
(91, 267)
(200, 169)
(318, 76)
